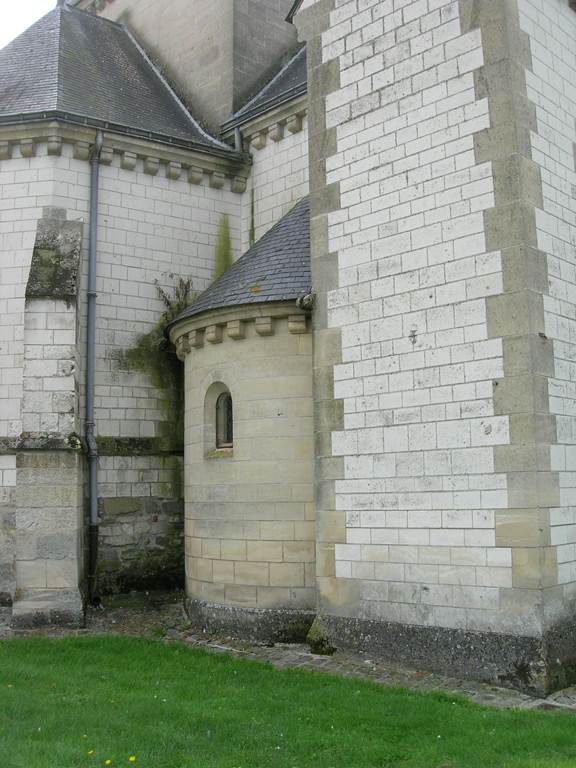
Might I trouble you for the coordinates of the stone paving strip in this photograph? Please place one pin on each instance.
(163, 616)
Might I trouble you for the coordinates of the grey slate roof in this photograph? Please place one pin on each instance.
(276, 268)
(76, 66)
(289, 83)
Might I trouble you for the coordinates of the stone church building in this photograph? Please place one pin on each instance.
(378, 397)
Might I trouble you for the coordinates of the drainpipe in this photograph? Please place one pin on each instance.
(238, 139)
(91, 369)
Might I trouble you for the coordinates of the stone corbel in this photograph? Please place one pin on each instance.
(54, 145)
(173, 170)
(106, 156)
(297, 324)
(81, 150)
(264, 326)
(213, 334)
(295, 123)
(27, 148)
(182, 347)
(238, 184)
(258, 141)
(151, 165)
(129, 161)
(196, 339)
(195, 174)
(276, 132)
(5, 150)
(217, 180)
(235, 329)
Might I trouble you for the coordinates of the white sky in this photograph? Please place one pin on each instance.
(17, 16)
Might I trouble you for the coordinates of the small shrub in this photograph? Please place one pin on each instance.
(154, 355)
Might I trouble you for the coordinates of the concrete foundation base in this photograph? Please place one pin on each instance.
(536, 665)
(254, 624)
(49, 608)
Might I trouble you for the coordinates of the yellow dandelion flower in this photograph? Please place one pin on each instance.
(132, 759)
(108, 762)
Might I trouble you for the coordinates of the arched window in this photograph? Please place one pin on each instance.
(224, 421)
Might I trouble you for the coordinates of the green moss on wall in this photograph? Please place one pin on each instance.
(223, 248)
(175, 488)
(133, 446)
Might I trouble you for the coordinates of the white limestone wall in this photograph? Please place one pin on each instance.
(250, 509)
(25, 187)
(136, 476)
(50, 378)
(420, 490)
(551, 25)
(32, 358)
(278, 180)
(151, 228)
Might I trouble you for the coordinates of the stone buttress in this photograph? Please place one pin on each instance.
(442, 258)
(48, 519)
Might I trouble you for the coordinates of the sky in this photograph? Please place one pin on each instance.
(17, 16)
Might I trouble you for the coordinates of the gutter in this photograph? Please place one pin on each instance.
(90, 424)
(25, 118)
(265, 106)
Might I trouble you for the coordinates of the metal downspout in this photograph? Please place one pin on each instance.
(91, 370)
(238, 139)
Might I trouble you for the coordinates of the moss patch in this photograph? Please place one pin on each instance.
(132, 446)
(175, 488)
(55, 260)
(318, 641)
(223, 259)
(162, 569)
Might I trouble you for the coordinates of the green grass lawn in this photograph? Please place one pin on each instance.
(83, 701)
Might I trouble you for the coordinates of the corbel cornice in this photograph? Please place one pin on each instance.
(233, 323)
(135, 153)
(273, 123)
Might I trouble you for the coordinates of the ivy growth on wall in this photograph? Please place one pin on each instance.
(223, 248)
(154, 355)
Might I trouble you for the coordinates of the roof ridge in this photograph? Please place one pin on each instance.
(270, 82)
(172, 92)
(59, 9)
(57, 12)
(75, 9)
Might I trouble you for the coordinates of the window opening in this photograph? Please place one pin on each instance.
(224, 421)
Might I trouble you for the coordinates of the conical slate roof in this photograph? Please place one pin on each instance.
(83, 68)
(276, 268)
